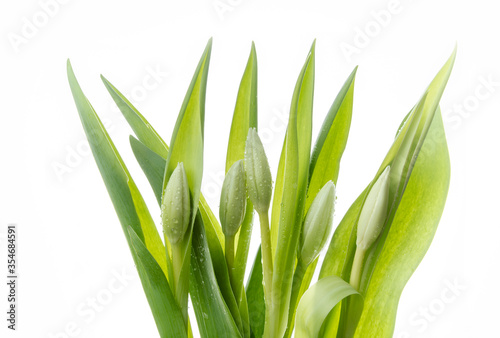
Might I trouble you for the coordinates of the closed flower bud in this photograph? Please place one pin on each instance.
(317, 224)
(259, 179)
(175, 206)
(374, 212)
(233, 199)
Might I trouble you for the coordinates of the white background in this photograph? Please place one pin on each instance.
(71, 247)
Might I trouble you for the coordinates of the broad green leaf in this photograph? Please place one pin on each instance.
(139, 124)
(255, 297)
(422, 116)
(410, 234)
(167, 314)
(293, 178)
(403, 153)
(213, 317)
(122, 190)
(316, 304)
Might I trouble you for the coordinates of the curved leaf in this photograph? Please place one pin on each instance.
(410, 234)
(316, 304)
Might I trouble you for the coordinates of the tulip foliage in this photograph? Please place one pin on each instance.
(373, 252)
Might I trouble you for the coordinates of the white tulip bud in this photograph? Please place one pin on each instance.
(176, 206)
(233, 199)
(317, 224)
(374, 212)
(259, 179)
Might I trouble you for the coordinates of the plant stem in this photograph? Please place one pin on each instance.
(298, 277)
(267, 264)
(357, 267)
(229, 253)
(177, 261)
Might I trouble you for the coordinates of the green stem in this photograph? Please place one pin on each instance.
(357, 267)
(298, 277)
(177, 260)
(267, 264)
(229, 253)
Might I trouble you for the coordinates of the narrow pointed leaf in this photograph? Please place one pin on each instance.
(126, 199)
(245, 112)
(244, 118)
(152, 164)
(331, 142)
(294, 163)
(124, 194)
(141, 127)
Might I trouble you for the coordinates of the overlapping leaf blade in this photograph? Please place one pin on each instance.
(331, 141)
(410, 234)
(144, 131)
(244, 118)
(124, 195)
(405, 150)
(153, 165)
(291, 183)
(325, 160)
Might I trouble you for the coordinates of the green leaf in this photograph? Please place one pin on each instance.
(153, 166)
(255, 296)
(410, 234)
(212, 314)
(404, 152)
(325, 160)
(141, 127)
(167, 314)
(244, 118)
(316, 304)
(331, 141)
(291, 185)
(245, 112)
(186, 146)
(126, 199)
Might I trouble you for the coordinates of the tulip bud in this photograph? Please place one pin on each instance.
(233, 199)
(374, 212)
(259, 179)
(317, 224)
(175, 206)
